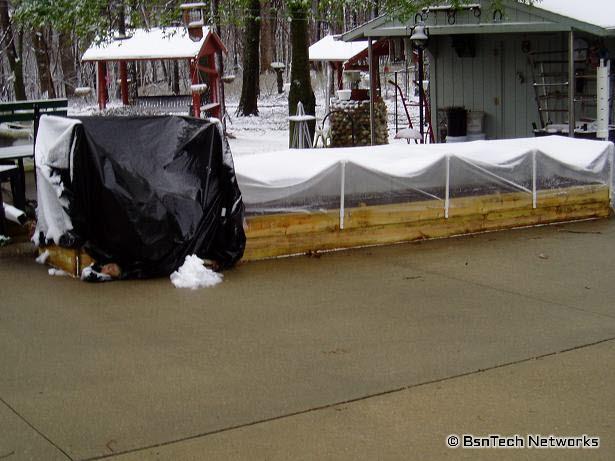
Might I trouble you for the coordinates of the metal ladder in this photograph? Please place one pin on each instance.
(542, 86)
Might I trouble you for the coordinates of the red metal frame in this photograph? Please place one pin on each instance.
(211, 46)
(124, 82)
(102, 84)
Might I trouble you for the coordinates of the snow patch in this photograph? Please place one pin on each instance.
(193, 274)
(57, 272)
(42, 258)
(89, 274)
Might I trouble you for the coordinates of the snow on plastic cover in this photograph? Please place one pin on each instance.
(53, 153)
(312, 180)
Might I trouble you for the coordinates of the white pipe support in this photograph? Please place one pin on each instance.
(534, 193)
(342, 193)
(447, 186)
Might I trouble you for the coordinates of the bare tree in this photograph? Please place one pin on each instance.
(8, 43)
(300, 86)
(42, 53)
(267, 35)
(68, 61)
(248, 103)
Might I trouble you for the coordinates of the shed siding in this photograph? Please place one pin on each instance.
(497, 81)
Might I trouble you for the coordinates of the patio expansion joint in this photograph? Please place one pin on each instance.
(35, 429)
(509, 292)
(350, 401)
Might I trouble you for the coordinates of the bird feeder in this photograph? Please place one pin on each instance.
(194, 19)
(198, 88)
(228, 78)
(278, 68)
(300, 138)
(83, 91)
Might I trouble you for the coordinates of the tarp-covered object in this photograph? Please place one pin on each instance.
(148, 191)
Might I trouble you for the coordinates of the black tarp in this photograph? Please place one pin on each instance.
(148, 191)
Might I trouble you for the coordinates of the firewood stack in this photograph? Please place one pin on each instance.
(341, 125)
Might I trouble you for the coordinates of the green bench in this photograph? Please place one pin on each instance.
(30, 111)
(26, 111)
(12, 157)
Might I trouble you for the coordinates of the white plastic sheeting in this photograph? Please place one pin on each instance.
(327, 179)
(54, 139)
(14, 214)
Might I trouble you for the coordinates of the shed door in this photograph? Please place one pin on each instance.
(475, 83)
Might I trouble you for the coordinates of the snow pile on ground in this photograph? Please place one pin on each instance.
(193, 274)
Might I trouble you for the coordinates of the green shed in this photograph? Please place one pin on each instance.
(513, 63)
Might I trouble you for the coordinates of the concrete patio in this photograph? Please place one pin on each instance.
(378, 353)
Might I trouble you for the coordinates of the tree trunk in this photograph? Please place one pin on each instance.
(43, 64)
(165, 74)
(267, 37)
(376, 9)
(248, 103)
(121, 18)
(175, 87)
(315, 24)
(15, 61)
(133, 86)
(215, 14)
(153, 64)
(67, 61)
(300, 86)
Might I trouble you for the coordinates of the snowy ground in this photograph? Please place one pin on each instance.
(266, 133)
(269, 130)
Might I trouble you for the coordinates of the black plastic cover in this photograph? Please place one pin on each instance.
(148, 191)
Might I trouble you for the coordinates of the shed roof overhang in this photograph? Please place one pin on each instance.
(513, 27)
(385, 26)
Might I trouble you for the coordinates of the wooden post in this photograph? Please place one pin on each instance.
(571, 85)
(102, 84)
(327, 87)
(124, 82)
(214, 81)
(196, 97)
(372, 91)
(421, 98)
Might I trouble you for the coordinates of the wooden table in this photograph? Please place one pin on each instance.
(17, 154)
(7, 173)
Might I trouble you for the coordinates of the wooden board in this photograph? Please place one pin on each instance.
(287, 234)
(295, 233)
(69, 260)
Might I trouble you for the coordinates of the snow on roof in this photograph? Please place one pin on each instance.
(155, 43)
(329, 49)
(600, 13)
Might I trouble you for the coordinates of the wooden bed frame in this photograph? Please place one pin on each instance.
(298, 233)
